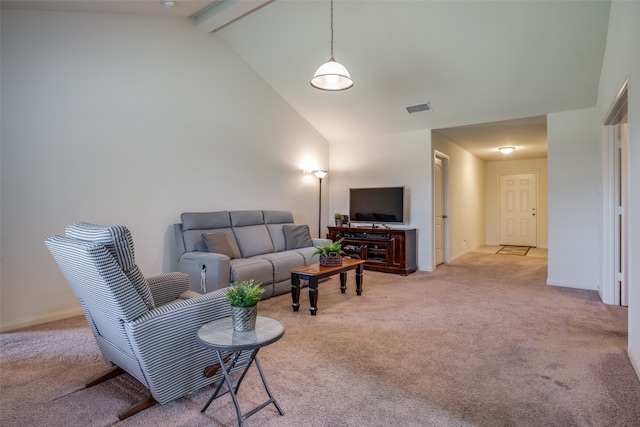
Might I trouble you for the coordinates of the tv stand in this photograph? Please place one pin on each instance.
(385, 250)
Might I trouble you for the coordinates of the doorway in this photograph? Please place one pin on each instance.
(518, 196)
(615, 288)
(440, 208)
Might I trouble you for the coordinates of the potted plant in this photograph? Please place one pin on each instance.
(330, 253)
(244, 298)
(339, 219)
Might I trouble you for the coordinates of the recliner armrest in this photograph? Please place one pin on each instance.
(167, 287)
(164, 341)
(157, 333)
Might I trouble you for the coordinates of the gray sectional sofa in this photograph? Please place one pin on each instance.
(217, 248)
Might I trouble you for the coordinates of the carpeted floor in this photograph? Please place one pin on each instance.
(479, 342)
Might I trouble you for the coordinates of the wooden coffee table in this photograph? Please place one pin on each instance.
(314, 272)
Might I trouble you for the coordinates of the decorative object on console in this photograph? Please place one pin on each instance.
(330, 253)
(339, 219)
(244, 297)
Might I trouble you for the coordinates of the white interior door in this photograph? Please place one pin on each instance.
(615, 192)
(621, 232)
(438, 211)
(518, 204)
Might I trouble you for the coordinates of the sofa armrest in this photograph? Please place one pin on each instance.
(217, 270)
(320, 242)
(167, 287)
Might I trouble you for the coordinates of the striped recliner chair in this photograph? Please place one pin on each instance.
(146, 327)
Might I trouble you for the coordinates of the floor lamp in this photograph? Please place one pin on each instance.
(320, 174)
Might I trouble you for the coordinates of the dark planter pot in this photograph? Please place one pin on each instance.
(244, 318)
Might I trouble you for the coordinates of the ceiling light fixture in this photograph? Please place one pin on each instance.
(332, 75)
(506, 150)
(167, 3)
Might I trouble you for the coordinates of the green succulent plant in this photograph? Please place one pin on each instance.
(338, 216)
(328, 248)
(244, 294)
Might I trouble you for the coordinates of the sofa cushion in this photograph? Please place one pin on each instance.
(274, 221)
(245, 218)
(119, 242)
(218, 243)
(309, 255)
(258, 269)
(196, 223)
(205, 220)
(296, 236)
(277, 217)
(201, 246)
(277, 236)
(253, 240)
(283, 262)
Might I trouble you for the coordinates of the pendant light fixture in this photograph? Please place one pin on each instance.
(332, 75)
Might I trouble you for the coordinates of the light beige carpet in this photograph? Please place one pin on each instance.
(479, 342)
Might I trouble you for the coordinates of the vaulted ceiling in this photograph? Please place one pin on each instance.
(479, 64)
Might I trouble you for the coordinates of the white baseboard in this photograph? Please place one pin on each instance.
(574, 285)
(635, 361)
(37, 320)
(459, 255)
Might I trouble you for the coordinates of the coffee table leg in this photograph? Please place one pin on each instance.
(343, 282)
(313, 295)
(295, 291)
(359, 271)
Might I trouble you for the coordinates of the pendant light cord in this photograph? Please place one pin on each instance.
(332, 30)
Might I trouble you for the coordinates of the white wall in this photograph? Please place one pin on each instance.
(389, 160)
(622, 62)
(132, 120)
(493, 170)
(574, 199)
(466, 216)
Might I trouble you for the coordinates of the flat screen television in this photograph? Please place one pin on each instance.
(376, 205)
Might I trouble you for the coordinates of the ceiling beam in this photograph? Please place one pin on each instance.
(224, 12)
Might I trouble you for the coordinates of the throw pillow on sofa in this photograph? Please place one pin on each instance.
(296, 236)
(218, 243)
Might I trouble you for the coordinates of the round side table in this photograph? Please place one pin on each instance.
(220, 336)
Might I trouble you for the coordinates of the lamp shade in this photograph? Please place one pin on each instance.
(320, 174)
(332, 76)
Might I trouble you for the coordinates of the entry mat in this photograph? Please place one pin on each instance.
(514, 250)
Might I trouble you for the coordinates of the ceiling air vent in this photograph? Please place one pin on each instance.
(419, 108)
